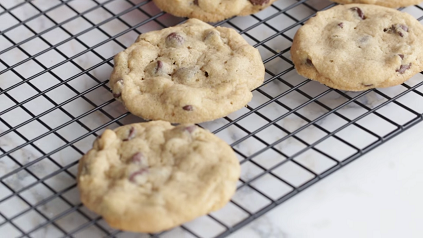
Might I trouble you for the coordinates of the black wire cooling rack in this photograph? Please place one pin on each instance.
(55, 60)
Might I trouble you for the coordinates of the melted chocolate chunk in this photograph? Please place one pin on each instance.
(131, 134)
(365, 39)
(136, 173)
(309, 62)
(188, 108)
(85, 169)
(341, 25)
(259, 2)
(185, 75)
(191, 128)
(404, 27)
(403, 68)
(360, 13)
(117, 95)
(397, 28)
(401, 56)
(174, 40)
(159, 67)
(137, 158)
(209, 35)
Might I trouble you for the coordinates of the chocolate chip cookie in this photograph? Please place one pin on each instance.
(357, 46)
(212, 10)
(189, 73)
(149, 177)
(386, 3)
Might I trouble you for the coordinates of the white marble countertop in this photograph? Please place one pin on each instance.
(379, 195)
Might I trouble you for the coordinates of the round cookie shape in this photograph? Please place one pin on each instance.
(355, 47)
(212, 10)
(150, 177)
(189, 73)
(385, 3)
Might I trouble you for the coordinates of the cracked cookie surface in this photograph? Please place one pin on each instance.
(212, 10)
(357, 46)
(149, 177)
(386, 3)
(189, 73)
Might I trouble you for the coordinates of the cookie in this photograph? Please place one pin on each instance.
(149, 177)
(386, 3)
(357, 46)
(212, 10)
(189, 73)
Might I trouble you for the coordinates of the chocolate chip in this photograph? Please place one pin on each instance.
(401, 56)
(397, 28)
(404, 27)
(341, 25)
(196, 2)
(136, 173)
(206, 74)
(159, 67)
(174, 40)
(212, 36)
(309, 62)
(188, 108)
(85, 169)
(120, 83)
(367, 85)
(117, 95)
(401, 27)
(185, 75)
(131, 134)
(360, 13)
(209, 35)
(191, 128)
(259, 2)
(137, 157)
(365, 39)
(403, 68)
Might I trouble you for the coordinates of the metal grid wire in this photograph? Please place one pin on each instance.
(55, 59)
